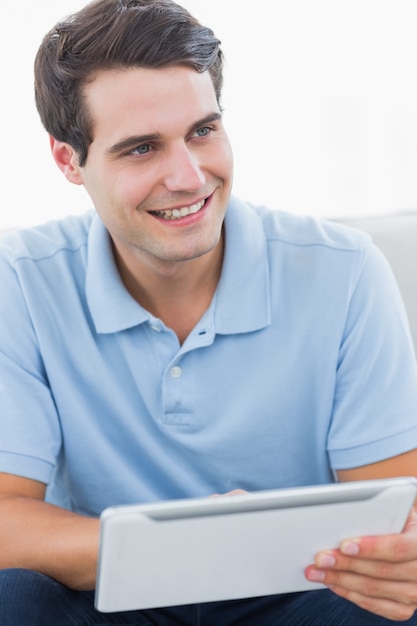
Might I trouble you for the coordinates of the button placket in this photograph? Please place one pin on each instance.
(177, 393)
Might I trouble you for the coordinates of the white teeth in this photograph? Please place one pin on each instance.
(175, 214)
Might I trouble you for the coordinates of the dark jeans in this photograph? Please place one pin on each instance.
(31, 599)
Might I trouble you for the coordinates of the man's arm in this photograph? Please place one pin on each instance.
(401, 465)
(45, 538)
(378, 574)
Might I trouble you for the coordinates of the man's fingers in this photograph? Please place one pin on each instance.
(384, 607)
(393, 548)
(383, 570)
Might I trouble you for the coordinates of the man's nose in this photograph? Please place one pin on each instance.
(183, 170)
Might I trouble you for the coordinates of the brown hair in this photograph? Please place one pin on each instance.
(109, 34)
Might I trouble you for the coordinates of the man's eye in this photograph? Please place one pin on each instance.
(143, 149)
(203, 132)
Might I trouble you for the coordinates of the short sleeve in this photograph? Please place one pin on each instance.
(375, 403)
(30, 438)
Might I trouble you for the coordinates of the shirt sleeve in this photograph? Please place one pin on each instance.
(375, 402)
(30, 438)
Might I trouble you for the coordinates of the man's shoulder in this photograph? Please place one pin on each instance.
(303, 230)
(44, 241)
(296, 229)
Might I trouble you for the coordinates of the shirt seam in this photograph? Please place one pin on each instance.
(27, 257)
(374, 441)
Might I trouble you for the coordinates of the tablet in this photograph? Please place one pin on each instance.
(228, 547)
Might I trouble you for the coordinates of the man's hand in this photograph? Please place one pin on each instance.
(379, 574)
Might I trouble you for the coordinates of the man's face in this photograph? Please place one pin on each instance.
(159, 168)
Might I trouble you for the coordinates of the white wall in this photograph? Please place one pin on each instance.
(320, 103)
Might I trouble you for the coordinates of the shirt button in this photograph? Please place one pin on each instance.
(176, 371)
(156, 328)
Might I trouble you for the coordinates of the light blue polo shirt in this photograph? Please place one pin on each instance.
(301, 366)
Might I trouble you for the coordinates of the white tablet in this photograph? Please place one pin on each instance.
(229, 547)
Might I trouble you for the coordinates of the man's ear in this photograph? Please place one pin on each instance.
(67, 160)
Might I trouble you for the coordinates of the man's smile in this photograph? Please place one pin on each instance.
(175, 214)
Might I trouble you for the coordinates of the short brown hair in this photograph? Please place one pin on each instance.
(114, 34)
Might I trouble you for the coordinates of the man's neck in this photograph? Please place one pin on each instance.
(177, 293)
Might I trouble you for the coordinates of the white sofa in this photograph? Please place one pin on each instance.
(396, 235)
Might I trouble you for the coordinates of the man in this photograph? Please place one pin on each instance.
(176, 342)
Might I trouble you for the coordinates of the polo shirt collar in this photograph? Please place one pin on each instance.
(111, 306)
(242, 303)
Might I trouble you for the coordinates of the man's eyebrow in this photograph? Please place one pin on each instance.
(131, 142)
(136, 140)
(213, 117)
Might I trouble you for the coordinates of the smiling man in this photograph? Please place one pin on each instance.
(177, 342)
(159, 172)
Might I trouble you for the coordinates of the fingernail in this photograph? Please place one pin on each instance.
(316, 576)
(350, 548)
(326, 560)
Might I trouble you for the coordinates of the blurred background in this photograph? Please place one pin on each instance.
(320, 103)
